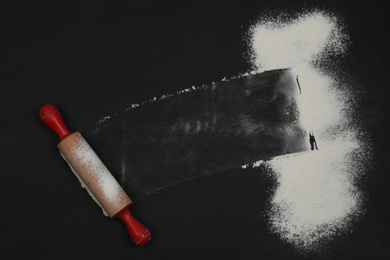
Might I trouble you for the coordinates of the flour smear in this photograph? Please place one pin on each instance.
(316, 198)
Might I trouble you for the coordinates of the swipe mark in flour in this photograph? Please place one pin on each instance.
(316, 197)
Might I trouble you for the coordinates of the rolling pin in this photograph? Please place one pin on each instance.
(93, 175)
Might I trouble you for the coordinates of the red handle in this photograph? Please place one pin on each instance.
(53, 119)
(138, 232)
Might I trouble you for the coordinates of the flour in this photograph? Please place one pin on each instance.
(104, 119)
(284, 43)
(316, 197)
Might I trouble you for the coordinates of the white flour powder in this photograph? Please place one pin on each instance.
(316, 198)
(283, 42)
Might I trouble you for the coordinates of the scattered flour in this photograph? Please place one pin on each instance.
(316, 197)
(280, 42)
(104, 119)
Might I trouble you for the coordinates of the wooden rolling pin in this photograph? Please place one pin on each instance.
(93, 175)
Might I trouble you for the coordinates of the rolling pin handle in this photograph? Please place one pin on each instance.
(50, 115)
(138, 232)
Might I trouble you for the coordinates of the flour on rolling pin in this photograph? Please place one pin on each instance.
(93, 175)
(85, 186)
(91, 172)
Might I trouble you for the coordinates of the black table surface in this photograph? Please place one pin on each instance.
(93, 59)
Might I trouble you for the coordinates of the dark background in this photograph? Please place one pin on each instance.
(94, 58)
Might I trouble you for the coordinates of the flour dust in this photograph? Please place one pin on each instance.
(316, 198)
